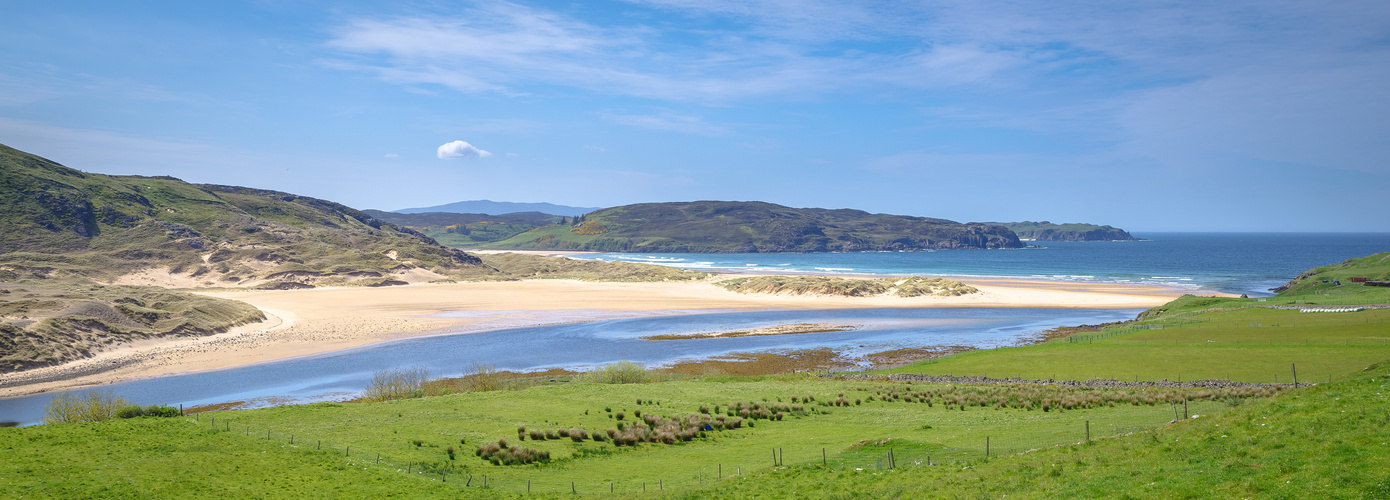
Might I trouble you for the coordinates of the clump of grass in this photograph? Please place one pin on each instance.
(578, 435)
(501, 454)
(1048, 398)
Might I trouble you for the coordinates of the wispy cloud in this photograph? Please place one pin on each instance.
(669, 122)
(507, 48)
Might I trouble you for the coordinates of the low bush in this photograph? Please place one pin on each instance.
(501, 454)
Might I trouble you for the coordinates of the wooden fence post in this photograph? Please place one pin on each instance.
(1088, 431)
(986, 446)
(1294, 369)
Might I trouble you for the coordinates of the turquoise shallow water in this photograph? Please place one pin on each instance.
(1249, 263)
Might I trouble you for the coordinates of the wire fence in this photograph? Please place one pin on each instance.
(881, 455)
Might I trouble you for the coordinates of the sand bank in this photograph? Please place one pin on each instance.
(304, 322)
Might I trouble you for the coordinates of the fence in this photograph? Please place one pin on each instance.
(888, 454)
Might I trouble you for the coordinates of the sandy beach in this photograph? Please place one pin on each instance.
(305, 322)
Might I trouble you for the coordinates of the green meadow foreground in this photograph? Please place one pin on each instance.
(868, 437)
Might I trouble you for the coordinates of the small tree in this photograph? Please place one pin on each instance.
(94, 406)
(480, 377)
(396, 383)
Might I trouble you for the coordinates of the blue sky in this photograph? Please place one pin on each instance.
(1151, 116)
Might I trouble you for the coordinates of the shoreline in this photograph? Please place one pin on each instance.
(322, 320)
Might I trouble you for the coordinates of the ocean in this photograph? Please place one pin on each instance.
(1248, 263)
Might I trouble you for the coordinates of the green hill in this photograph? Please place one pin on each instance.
(468, 230)
(60, 222)
(1047, 231)
(746, 227)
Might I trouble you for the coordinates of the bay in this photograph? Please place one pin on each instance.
(1248, 263)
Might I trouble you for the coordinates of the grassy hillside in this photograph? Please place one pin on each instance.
(719, 226)
(1047, 231)
(468, 230)
(59, 222)
(1252, 339)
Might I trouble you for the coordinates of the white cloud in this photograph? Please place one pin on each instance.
(460, 149)
(596, 148)
(670, 123)
(391, 155)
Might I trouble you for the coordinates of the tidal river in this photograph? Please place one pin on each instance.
(578, 346)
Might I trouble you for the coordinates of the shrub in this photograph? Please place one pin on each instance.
(619, 416)
(622, 372)
(480, 377)
(451, 452)
(396, 383)
(94, 406)
(148, 411)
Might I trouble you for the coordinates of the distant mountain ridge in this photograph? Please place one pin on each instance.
(490, 207)
(753, 227)
(1047, 231)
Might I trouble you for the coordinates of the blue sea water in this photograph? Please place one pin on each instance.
(1249, 263)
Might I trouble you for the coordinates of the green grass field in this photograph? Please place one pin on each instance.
(1250, 345)
(249, 451)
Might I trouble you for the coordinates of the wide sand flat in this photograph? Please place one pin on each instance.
(304, 322)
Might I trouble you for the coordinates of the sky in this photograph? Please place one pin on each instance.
(1235, 115)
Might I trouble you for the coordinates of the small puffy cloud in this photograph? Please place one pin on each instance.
(391, 155)
(596, 148)
(461, 149)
